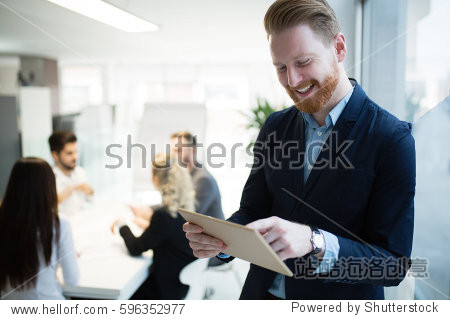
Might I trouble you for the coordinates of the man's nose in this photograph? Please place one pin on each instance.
(294, 78)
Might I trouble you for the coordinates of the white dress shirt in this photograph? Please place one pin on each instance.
(76, 201)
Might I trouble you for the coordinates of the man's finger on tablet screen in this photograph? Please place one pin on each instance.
(263, 225)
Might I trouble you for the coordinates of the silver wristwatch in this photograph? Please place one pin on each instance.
(317, 240)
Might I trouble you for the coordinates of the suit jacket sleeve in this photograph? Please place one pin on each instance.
(256, 200)
(383, 257)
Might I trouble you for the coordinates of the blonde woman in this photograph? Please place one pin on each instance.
(171, 251)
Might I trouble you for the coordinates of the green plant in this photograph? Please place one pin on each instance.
(259, 114)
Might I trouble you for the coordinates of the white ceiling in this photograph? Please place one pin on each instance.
(191, 31)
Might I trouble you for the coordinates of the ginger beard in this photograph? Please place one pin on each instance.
(317, 101)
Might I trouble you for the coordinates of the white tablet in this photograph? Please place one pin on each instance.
(242, 242)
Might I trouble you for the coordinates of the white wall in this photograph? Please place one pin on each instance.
(35, 121)
(9, 67)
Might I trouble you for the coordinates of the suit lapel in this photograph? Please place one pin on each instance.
(292, 154)
(296, 175)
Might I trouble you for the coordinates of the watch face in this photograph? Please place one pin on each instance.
(318, 241)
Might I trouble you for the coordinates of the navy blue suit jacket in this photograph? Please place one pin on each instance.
(369, 208)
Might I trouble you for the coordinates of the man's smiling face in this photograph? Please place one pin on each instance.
(306, 67)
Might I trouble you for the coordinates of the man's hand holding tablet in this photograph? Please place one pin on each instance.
(203, 246)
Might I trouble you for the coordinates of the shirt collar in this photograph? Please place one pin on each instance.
(333, 116)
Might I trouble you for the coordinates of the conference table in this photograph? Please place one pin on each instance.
(107, 270)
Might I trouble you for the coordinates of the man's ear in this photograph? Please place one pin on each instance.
(55, 156)
(340, 47)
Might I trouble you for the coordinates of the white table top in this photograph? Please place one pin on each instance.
(107, 270)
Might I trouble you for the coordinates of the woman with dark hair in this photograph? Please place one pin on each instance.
(171, 251)
(33, 240)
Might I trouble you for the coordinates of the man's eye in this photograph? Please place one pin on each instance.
(304, 62)
(281, 68)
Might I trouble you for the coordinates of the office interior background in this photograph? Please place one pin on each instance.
(203, 70)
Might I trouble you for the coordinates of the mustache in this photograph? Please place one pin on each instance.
(305, 84)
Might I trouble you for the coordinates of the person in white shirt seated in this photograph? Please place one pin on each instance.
(33, 239)
(71, 180)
